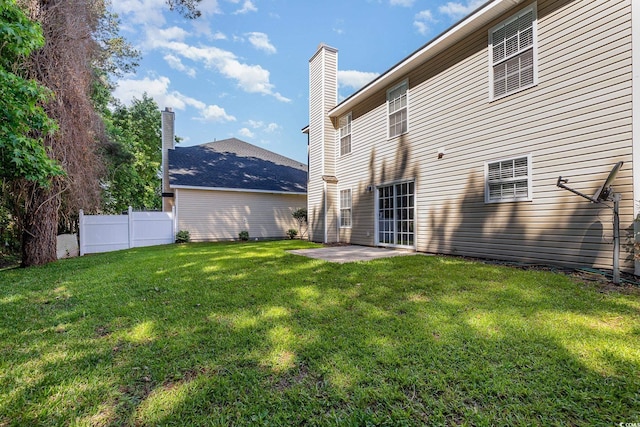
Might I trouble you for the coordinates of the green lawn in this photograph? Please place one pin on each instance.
(247, 334)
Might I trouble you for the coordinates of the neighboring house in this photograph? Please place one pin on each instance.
(221, 188)
(457, 149)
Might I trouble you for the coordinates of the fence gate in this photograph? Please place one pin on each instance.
(106, 233)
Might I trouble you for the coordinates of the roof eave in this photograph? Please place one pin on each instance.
(240, 190)
(477, 19)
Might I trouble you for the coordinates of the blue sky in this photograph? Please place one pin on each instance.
(241, 69)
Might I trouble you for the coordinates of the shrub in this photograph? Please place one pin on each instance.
(243, 235)
(183, 236)
(292, 233)
(300, 215)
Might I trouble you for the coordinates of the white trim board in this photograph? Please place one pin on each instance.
(239, 190)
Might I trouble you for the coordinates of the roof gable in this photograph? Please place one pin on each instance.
(235, 164)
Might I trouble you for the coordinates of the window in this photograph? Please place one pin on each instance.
(513, 52)
(508, 180)
(398, 105)
(345, 208)
(345, 134)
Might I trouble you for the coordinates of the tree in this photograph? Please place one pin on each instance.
(188, 8)
(79, 54)
(23, 121)
(24, 124)
(65, 64)
(134, 157)
(300, 215)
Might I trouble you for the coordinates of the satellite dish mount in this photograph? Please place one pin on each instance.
(603, 194)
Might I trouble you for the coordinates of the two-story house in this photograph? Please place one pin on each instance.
(457, 149)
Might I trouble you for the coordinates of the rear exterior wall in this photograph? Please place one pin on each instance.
(576, 122)
(212, 215)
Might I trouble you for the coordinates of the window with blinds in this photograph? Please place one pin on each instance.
(345, 134)
(513, 53)
(397, 105)
(508, 180)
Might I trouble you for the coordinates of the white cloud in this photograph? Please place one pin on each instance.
(250, 78)
(219, 36)
(458, 10)
(261, 42)
(147, 12)
(272, 127)
(405, 3)
(247, 7)
(202, 25)
(208, 7)
(422, 21)
(159, 36)
(175, 63)
(127, 89)
(214, 113)
(158, 89)
(246, 133)
(355, 79)
(256, 124)
(260, 125)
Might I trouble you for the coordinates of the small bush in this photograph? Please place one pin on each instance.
(183, 236)
(243, 235)
(300, 215)
(292, 233)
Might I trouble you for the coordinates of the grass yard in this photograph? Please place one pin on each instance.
(247, 334)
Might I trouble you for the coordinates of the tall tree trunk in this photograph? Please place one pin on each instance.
(40, 226)
(64, 65)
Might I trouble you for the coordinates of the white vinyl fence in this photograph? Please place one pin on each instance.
(106, 233)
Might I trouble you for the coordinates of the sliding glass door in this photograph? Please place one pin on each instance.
(396, 210)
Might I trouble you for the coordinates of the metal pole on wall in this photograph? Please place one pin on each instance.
(616, 239)
(606, 193)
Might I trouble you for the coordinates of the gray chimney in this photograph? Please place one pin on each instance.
(168, 139)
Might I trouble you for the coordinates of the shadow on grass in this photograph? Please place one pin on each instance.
(248, 334)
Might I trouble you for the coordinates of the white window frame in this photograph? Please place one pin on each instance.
(344, 209)
(344, 133)
(508, 180)
(387, 217)
(406, 107)
(534, 48)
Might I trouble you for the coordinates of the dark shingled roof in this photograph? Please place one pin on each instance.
(232, 163)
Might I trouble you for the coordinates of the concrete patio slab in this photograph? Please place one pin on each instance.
(351, 253)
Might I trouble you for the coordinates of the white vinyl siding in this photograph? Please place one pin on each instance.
(323, 90)
(398, 106)
(212, 215)
(508, 180)
(576, 123)
(345, 134)
(513, 46)
(345, 209)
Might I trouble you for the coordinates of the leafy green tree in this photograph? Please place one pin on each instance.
(300, 215)
(23, 121)
(52, 173)
(24, 124)
(134, 157)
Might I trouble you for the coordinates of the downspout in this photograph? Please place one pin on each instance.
(635, 130)
(326, 233)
